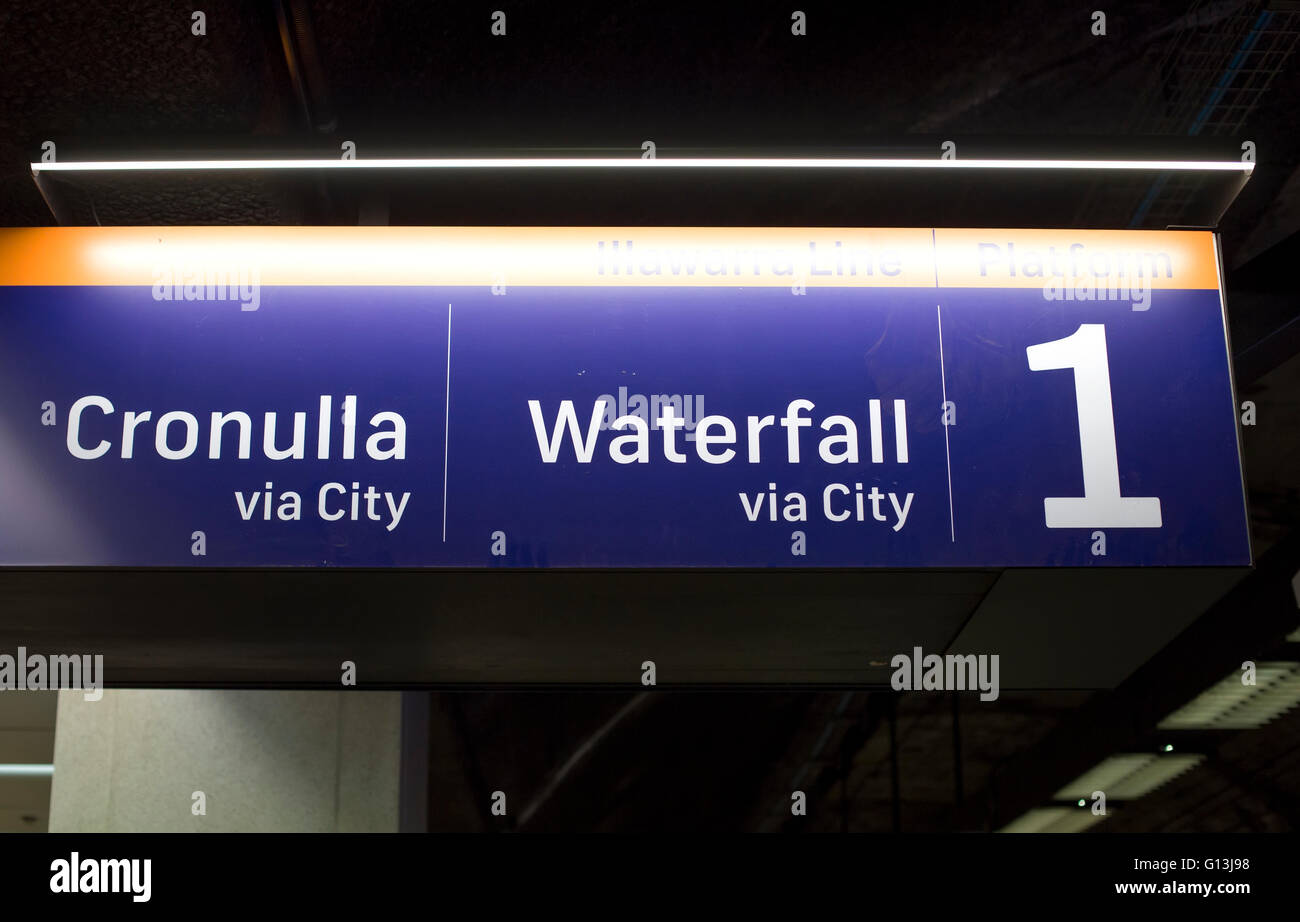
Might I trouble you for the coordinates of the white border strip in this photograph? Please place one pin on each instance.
(635, 163)
(1236, 397)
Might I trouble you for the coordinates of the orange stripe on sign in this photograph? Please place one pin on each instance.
(479, 256)
(777, 257)
(1097, 258)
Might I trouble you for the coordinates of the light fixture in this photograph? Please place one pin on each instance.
(35, 770)
(1056, 819)
(636, 163)
(1128, 776)
(1229, 705)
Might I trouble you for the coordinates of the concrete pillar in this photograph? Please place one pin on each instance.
(266, 761)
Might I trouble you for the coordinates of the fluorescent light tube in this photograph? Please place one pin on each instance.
(636, 163)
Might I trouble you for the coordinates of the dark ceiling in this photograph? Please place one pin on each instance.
(1011, 79)
(887, 79)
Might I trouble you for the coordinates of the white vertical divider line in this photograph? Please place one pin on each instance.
(943, 381)
(446, 432)
(947, 450)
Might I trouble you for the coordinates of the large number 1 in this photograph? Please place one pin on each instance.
(1101, 506)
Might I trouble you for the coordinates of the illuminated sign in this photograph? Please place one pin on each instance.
(615, 397)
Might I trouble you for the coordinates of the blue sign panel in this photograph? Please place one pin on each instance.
(600, 398)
